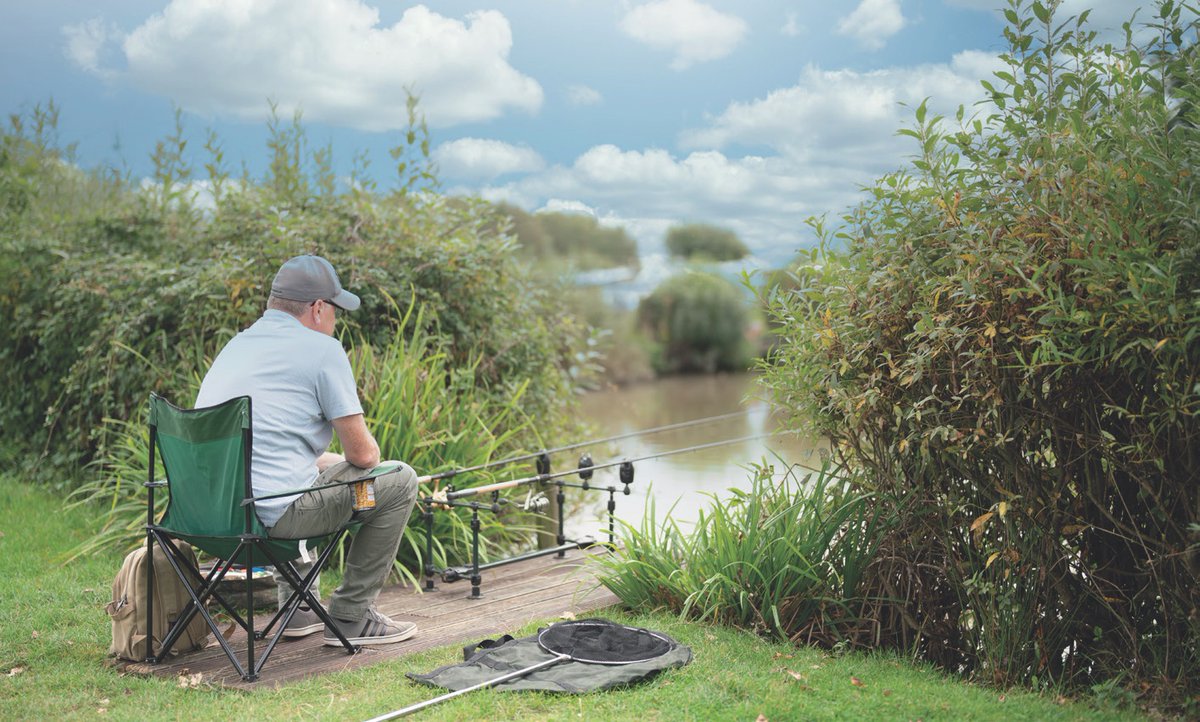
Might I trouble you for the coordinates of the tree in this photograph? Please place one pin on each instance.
(699, 322)
(701, 241)
(571, 239)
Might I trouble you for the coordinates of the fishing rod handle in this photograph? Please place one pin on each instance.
(498, 486)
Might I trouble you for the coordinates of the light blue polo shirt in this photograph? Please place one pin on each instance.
(298, 381)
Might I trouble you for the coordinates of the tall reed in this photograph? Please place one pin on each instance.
(427, 411)
(422, 410)
(783, 558)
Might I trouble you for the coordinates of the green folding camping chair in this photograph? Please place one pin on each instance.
(206, 455)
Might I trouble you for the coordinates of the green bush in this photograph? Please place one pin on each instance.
(699, 322)
(786, 557)
(575, 240)
(1005, 340)
(700, 241)
(618, 349)
(130, 290)
(422, 408)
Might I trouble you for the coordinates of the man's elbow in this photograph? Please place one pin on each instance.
(364, 458)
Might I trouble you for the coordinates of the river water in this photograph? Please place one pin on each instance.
(679, 484)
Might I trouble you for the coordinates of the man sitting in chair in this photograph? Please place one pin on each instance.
(302, 390)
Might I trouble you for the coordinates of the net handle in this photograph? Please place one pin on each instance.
(558, 657)
(482, 685)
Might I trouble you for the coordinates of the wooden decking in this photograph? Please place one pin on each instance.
(513, 596)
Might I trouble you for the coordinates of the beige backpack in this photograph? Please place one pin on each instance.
(128, 607)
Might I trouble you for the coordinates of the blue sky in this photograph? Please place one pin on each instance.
(750, 114)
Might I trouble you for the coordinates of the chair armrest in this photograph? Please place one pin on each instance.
(372, 474)
(375, 473)
(154, 484)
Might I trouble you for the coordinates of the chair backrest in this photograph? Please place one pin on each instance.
(206, 454)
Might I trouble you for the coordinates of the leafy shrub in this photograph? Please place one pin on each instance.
(131, 290)
(1005, 340)
(699, 322)
(701, 241)
(421, 407)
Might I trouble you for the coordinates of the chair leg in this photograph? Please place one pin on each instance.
(301, 591)
(207, 589)
(283, 616)
(198, 606)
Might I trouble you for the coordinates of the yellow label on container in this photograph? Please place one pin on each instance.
(364, 495)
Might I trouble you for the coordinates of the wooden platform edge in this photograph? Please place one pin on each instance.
(546, 588)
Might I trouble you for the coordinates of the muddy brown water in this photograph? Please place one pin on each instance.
(681, 485)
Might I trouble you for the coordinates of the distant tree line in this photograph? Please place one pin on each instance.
(703, 242)
(574, 239)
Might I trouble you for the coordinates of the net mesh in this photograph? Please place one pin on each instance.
(600, 641)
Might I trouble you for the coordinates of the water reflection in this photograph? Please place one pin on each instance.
(680, 483)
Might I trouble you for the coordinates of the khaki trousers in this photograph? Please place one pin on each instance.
(373, 546)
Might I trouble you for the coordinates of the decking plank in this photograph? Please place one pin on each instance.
(513, 596)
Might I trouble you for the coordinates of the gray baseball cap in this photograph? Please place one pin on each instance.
(312, 278)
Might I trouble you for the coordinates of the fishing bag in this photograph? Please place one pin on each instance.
(128, 607)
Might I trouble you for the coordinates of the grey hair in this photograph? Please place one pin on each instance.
(295, 308)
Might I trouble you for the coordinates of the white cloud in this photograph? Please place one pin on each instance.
(85, 43)
(482, 159)
(649, 190)
(559, 205)
(873, 22)
(816, 144)
(693, 31)
(792, 27)
(845, 115)
(329, 58)
(583, 95)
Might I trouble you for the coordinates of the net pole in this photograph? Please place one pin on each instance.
(482, 685)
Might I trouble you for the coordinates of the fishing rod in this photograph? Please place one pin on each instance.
(447, 498)
(498, 486)
(450, 473)
(378, 471)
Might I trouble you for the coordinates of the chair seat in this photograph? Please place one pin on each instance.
(250, 555)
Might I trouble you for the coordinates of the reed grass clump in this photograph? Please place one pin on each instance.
(423, 410)
(785, 557)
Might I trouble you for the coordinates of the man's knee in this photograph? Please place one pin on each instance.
(402, 483)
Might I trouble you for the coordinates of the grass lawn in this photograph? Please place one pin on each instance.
(54, 635)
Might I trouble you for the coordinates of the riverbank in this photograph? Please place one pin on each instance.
(54, 633)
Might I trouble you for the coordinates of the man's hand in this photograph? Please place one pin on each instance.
(328, 459)
(360, 446)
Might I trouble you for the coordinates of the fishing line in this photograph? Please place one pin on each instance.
(450, 496)
(443, 496)
(578, 445)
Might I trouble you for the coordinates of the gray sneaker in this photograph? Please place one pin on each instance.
(374, 628)
(304, 622)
